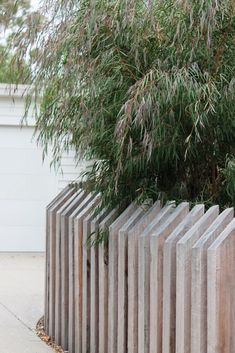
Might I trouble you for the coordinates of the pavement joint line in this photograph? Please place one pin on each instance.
(16, 317)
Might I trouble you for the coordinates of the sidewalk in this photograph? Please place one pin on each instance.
(21, 303)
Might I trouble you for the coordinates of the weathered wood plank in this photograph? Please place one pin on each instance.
(52, 256)
(183, 279)
(71, 320)
(157, 240)
(78, 273)
(113, 276)
(133, 236)
(58, 271)
(199, 281)
(122, 277)
(90, 287)
(86, 265)
(221, 293)
(169, 277)
(103, 282)
(144, 277)
(47, 262)
(65, 266)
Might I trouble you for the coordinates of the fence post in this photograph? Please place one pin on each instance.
(183, 279)
(199, 281)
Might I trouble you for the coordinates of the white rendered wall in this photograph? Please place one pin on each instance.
(27, 184)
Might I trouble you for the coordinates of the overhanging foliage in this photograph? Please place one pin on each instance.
(146, 88)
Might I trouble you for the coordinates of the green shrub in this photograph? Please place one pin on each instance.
(146, 88)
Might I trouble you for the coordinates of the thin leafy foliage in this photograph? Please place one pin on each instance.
(146, 89)
(17, 23)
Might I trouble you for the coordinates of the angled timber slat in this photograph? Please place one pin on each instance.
(221, 292)
(199, 281)
(103, 281)
(169, 277)
(71, 321)
(183, 279)
(144, 277)
(133, 237)
(156, 275)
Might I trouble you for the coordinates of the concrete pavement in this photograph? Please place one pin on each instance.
(21, 302)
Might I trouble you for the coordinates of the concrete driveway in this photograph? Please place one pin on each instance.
(21, 302)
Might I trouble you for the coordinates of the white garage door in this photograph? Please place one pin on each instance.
(26, 186)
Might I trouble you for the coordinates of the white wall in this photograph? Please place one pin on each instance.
(26, 184)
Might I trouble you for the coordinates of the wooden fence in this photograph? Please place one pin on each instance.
(163, 283)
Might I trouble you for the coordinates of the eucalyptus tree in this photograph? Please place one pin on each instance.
(17, 21)
(146, 89)
(13, 12)
(12, 70)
